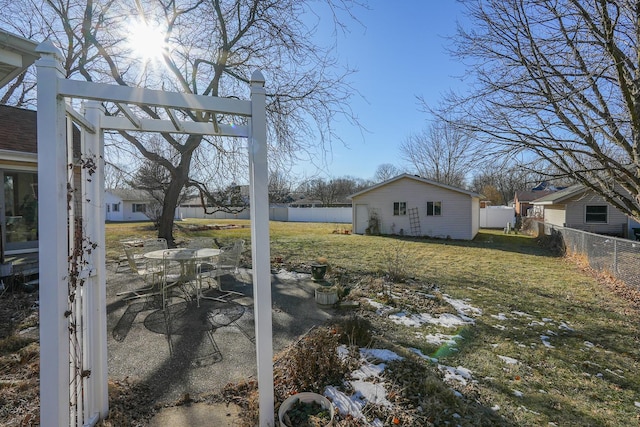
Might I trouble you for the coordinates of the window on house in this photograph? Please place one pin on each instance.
(434, 208)
(108, 207)
(399, 208)
(596, 213)
(139, 207)
(115, 207)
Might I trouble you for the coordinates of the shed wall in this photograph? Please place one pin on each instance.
(459, 218)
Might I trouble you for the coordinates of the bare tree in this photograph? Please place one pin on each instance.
(333, 191)
(279, 188)
(499, 182)
(386, 171)
(442, 152)
(208, 48)
(557, 80)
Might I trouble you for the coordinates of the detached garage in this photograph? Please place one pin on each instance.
(415, 206)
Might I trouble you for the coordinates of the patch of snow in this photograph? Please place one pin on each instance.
(589, 344)
(438, 339)
(371, 392)
(379, 354)
(495, 408)
(368, 370)
(551, 333)
(613, 373)
(424, 356)
(518, 393)
(343, 352)
(563, 326)
(509, 360)
(500, 316)
(545, 341)
(447, 320)
(459, 374)
(547, 320)
(500, 327)
(283, 274)
(521, 313)
(637, 404)
(536, 323)
(462, 307)
(346, 405)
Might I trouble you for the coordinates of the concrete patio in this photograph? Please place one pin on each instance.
(190, 350)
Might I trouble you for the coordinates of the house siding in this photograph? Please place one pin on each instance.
(555, 214)
(459, 219)
(576, 209)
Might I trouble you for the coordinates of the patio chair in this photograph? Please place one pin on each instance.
(176, 272)
(227, 263)
(122, 259)
(149, 271)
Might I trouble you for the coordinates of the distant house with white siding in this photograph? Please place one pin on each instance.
(581, 208)
(415, 206)
(124, 204)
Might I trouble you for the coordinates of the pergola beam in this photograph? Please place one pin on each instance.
(150, 97)
(130, 115)
(79, 119)
(194, 128)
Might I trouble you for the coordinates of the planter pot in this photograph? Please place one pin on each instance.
(326, 296)
(318, 271)
(305, 397)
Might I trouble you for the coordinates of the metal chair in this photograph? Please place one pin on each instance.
(149, 271)
(177, 272)
(227, 263)
(128, 243)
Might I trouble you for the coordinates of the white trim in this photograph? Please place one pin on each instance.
(19, 156)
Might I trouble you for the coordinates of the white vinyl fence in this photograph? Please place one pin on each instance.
(338, 215)
(497, 216)
(490, 217)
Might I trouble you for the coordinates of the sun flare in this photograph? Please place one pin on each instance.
(146, 41)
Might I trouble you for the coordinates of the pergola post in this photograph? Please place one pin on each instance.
(53, 236)
(260, 253)
(95, 346)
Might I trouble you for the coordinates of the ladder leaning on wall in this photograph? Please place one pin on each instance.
(414, 221)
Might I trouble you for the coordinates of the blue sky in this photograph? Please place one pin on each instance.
(399, 53)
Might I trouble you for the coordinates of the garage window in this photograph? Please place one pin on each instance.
(596, 214)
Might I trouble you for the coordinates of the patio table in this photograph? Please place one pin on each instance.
(188, 258)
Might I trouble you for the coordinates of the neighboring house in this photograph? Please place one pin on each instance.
(18, 158)
(522, 199)
(19, 171)
(127, 205)
(580, 208)
(411, 205)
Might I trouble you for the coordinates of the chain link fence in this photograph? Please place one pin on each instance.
(616, 256)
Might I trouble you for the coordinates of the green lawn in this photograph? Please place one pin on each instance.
(551, 345)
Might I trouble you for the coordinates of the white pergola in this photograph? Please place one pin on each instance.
(73, 331)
